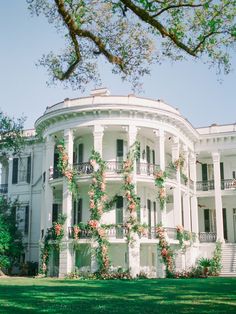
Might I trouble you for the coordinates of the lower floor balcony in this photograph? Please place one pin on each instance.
(226, 184)
(206, 237)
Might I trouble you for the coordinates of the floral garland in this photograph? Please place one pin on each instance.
(65, 169)
(98, 198)
(52, 239)
(160, 179)
(178, 164)
(133, 202)
(166, 251)
(184, 235)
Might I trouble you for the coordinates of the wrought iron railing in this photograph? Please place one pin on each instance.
(83, 234)
(83, 168)
(205, 185)
(207, 236)
(171, 172)
(171, 233)
(3, 188)
(144, 168)
(114, 166)
(228, 184)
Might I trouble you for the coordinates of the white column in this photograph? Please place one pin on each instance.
(66, 251)
(193, 200)
(186, 208)
(177, 190)
(186, 160)
(160, 135)
(48, 191)
(134, 245)
(218, 197)
(160, 147)
(98, 133)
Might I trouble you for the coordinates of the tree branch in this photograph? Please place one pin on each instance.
(74, 31)
(146, 17)
(175, 7)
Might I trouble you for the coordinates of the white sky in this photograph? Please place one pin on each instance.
(189, 86)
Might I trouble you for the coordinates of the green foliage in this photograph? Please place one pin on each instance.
(11, 134)
(11, 246)
(125, 32)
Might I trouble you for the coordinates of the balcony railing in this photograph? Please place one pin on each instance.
(115, 167)
(146, 168)
(3, 188)
(205, 185)
(226, 184)
(171, 172)
(207, 236)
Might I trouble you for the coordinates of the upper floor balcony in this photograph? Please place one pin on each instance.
(209, 185)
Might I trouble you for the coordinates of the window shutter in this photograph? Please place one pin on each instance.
(222, 171)
(26, 219)
(204, 172)
(28, 169)
(81, 153)
(119, 148)
(74, 212)
(207, 220)
(15, 171)
(56, 173)
(153, 157)
(79, 213)
(54, 212)
(148, 158)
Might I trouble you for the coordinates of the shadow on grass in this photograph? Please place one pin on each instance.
(212, 295)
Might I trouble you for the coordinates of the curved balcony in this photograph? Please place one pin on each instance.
(112, 167)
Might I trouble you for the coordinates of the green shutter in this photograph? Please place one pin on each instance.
(222, 171)
(153, 157)
(28, 169)
(81, 153)
(80, 208)
(54, 212)
(148, 158)
(204, 172)
(119, 148)
(15, 171)
(26, 219)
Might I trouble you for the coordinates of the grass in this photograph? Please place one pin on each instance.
(28, 295)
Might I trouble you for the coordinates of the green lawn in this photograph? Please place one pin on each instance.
(26, 295)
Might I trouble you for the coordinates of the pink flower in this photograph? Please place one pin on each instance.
(92, 204)
(128, 179)
(159, 174)
(101, 232)
(164, 252)
(91, 193)
(103, 186)
(94, 180)
(132, 206)
(93, 162)
(93, 224)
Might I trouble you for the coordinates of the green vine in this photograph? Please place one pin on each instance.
(98, 198)
(167, 253)
(65, 169)
(133, 202)
(160, 179)
(51, 240)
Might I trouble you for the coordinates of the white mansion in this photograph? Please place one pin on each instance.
(203, 200)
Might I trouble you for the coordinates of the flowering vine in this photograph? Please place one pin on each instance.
(167, 253)
(160, 178)
(52, 240)
(65, 169)
(133, 202)
(97, 201)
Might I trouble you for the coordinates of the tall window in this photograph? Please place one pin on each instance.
(21, 170)
(26, 219)
(119, 216)
(77, 211)
(80, 152)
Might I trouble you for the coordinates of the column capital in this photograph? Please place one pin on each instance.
(215, 157)
(175, 140)
(98, 129)
(159, 133)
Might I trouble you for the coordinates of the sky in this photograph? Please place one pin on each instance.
(190, 86)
